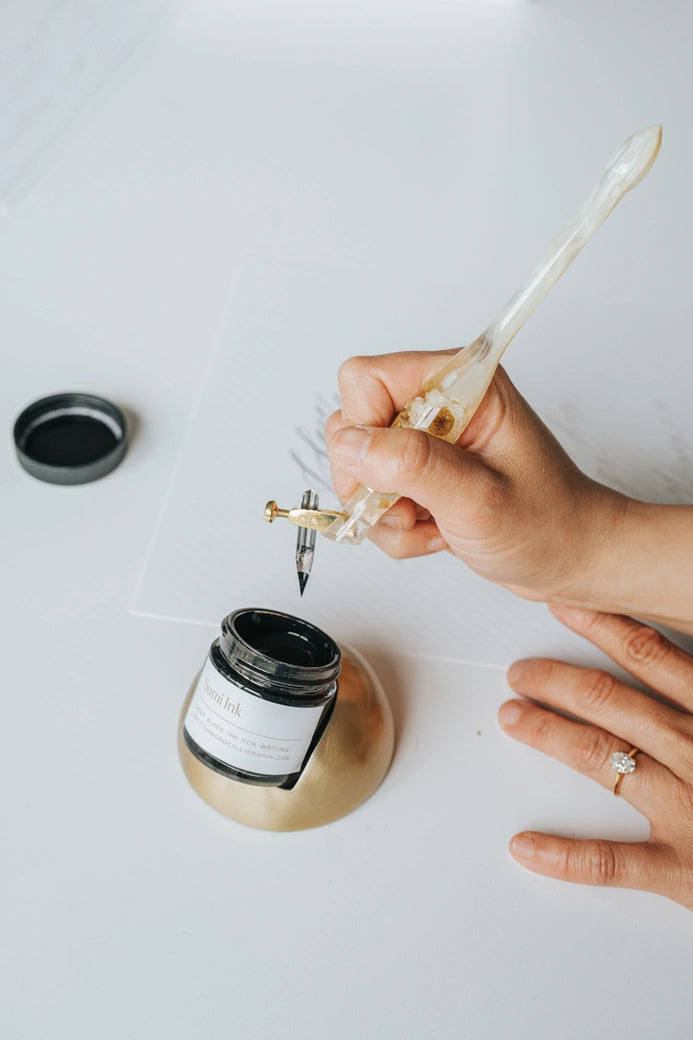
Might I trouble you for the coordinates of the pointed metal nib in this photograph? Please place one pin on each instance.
(305, 542)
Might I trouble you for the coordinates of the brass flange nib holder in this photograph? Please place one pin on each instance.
(314, 519)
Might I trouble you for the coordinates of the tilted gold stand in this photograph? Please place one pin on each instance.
(347, 766)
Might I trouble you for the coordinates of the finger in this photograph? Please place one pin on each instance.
(640, 649)
(402, 516)
(418, 466)
(641, 865)
(373, 389)
(599, 698)
(423, 539)
(587, 749)
(343, 482)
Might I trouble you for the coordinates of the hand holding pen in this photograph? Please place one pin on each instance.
(447, 401)
(509, 502)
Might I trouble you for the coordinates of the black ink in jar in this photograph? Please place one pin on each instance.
(263, 698)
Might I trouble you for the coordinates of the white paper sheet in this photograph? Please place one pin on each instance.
(262, 410)
(54, 56)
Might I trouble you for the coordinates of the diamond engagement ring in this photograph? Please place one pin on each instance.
(623, 763)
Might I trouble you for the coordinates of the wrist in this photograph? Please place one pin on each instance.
(595, 548)
(639, 561)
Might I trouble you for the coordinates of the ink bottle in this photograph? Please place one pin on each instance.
(263, 698)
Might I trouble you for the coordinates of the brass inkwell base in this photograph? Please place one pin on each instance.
(345, 769)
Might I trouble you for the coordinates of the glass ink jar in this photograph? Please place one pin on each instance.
(263, 699)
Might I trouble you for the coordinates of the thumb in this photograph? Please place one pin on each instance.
(411, 463)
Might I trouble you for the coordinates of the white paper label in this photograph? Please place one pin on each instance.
(245, 731)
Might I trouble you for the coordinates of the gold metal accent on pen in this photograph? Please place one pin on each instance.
(314, 519)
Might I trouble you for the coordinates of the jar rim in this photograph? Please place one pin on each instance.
(248, 626)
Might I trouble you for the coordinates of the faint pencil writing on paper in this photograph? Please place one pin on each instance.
(668, 477)
(309, 451)
(677, 474)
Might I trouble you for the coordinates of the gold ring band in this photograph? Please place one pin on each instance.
(619, 757)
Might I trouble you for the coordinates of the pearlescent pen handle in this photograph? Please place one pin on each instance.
(444, 406)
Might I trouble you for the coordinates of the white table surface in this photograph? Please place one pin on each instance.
(315, 134)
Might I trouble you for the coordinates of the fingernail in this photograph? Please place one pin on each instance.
(349, 444)
(510, 713)
(436, 544)
(523, 846)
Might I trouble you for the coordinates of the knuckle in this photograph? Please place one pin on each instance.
(592, 749)
(676, 737)
(600, 863)
(539, 674)
(592, 861)
(541, 729)
(682, 801)
(596, 689)
(364, 389)
(351, 369)
(646, 646)
(415, 454)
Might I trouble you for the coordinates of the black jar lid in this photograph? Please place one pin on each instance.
(70, 438)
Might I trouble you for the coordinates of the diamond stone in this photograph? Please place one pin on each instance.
(622, 762)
